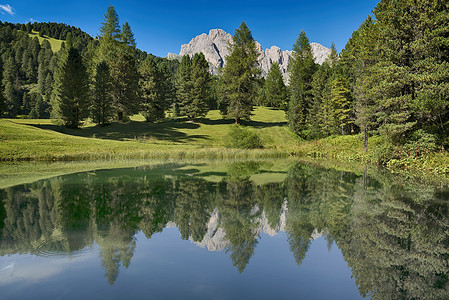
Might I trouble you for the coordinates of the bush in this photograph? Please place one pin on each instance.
(242, 138)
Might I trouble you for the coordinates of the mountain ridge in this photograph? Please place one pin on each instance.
(214, 46)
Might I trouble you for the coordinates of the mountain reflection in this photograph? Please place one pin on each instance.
(393, 235)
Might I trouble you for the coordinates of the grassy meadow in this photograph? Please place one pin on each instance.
(43, 139)
(54, 43)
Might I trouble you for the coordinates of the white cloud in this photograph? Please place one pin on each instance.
(6, 8)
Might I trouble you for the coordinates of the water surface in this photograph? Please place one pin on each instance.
(258, 230)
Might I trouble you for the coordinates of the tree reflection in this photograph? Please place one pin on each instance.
(394, 235)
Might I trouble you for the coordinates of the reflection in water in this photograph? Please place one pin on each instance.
(394, 236)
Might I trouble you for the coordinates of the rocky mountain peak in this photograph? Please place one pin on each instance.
(214, 46)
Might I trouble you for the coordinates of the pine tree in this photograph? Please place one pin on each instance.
(319, 110)
(340, 102)
(301, 70)
(412, 88)
(110, 28)
(117, 49)
(11, 87)
(72, 89)
(357, 60)
(2, 98)
(125, 84)
(184, 84)
(101, 110)
(275, 90)
(127, 36)
(240, 75)
(201, 85)
(153, 106)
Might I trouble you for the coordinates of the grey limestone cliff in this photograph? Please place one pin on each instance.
(214, 46)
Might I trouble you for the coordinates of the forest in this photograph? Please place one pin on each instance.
(390, 81)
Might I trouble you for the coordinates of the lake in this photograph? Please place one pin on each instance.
(232, 230)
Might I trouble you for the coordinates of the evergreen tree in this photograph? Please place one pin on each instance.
(340, 102)
(406, 81)
(184, 84)
(357, 60)
(275, 89)
(110, 28)
(201, 85)
(240, 76)
(301, 70)
(319, 112)
(117, 49)
(101, 110)
(72, 89)
(125, 84)
(151, 87)
(127, 36)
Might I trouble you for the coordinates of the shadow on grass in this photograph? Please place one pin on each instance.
(134, 130)
(256, 124)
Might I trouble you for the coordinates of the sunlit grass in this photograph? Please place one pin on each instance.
(42, 139)
(54, 43)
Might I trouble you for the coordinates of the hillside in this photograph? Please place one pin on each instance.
(54, 43)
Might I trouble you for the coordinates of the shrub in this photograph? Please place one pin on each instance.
(239, 137)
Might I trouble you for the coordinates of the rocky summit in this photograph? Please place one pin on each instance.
(214, 46)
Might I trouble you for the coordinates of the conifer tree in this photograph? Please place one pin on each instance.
(319, 110)
(117, 49)
(127, 36)
(201, 85)
(72, 89)
(301, 70)
(357, 60)
(2, 98)
(101, 110)
(275, 89)
(151, 87)
(340, 102)
(184, 84)
(240, 76)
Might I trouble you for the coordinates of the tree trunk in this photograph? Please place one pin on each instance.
(365, 144)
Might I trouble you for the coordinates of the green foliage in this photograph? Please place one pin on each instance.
(240, 75)
(201, 87)
(151, 87)
(240, 137)
(301, 69)
(184, 84)
(275, 89)
(101, 109)
(71, 89)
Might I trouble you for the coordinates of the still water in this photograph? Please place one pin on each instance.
(254, 230)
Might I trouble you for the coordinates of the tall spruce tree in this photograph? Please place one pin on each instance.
(101, 109)
(117, 49)
(151, 87)
(301, 70)
(72, 89)
(201, 86)
(240, 76)
(2, 98)
(361, 53)
(319, 112)
(184, 84)
(275, 89)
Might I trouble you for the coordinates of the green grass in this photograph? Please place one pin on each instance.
(54, 43)
(39, 139)
(269, 170)
(348, 150)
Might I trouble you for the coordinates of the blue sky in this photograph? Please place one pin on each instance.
(163, 26)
